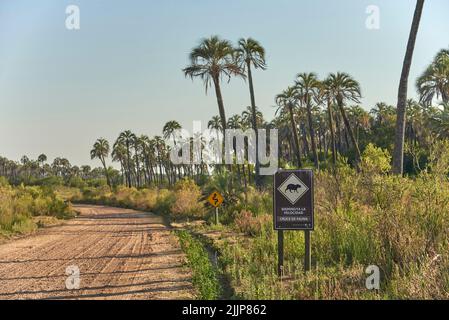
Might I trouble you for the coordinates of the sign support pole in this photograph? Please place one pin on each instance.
(293, 209)
(280, 252)
(216, 215)
(307, 250)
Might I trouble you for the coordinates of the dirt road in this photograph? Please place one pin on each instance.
(120, 254)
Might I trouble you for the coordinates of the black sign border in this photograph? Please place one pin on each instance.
(312, 190)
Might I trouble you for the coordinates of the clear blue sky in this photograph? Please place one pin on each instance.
(61, 89)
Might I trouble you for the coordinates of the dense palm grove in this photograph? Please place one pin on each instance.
(319, 121)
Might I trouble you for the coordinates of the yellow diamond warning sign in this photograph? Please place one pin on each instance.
(215, 199)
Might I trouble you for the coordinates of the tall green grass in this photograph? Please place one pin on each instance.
(362, 218)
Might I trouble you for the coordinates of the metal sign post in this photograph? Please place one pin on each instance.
(293, 209)
(215, 199)
(280, 252)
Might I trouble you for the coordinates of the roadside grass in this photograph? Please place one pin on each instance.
(205, 275)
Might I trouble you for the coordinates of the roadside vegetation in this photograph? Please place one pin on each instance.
(366, 217)
(24, 209)
(205, 275)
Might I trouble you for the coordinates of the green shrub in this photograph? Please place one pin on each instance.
(3, 182)
(375, 160)
(19, 204)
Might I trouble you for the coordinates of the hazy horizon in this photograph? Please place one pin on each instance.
(60, 90)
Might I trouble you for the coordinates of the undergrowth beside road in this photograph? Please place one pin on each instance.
(205, 275)
(362, 217)
(20, 206)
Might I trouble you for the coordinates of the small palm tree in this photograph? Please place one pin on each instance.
(440, 121)
(434, 82)
(308, 86)
(100, 151)
(235, 122)
(210, 61)
(251, 53)
(42, 158)
(247, 117)
(215, 123)
(342, 88)
(287, 102)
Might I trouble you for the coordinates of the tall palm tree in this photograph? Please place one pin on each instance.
(247, 117)
(235, 122)
(288, 101)
(308, 86)
(215, 123)
(126, 138)
(119, 154)
(251, 53)
(382, 112)
(398, 153)
(360, 119)
(160, 149)
(434, 82)
(168, 131)
(137, 145)
(210, 61)
(344, 88)
(100, 151)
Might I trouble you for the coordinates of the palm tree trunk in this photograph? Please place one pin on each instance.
(137, 169)
(295, 134)
(312, 135)
(349, 129)
(128, 154)
(106, 173)
(398, 153)
(338, 132)
(221, 108)
(254, 122)
(331, 127)
(304, 139)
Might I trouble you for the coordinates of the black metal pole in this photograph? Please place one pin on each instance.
(280, 252)
(307, 250)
